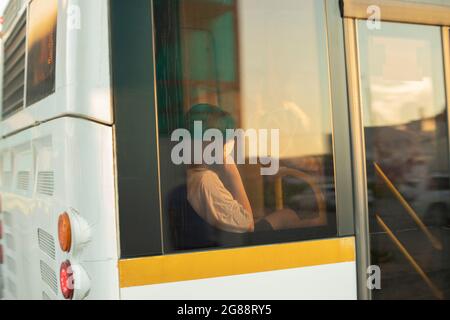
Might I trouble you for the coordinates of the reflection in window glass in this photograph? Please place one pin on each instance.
(258, 66)
(41, 49)
(407, 147)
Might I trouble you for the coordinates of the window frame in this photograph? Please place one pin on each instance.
(140, 203)
(427, 12)
(137, 164)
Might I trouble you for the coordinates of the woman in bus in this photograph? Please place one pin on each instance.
(216, 192)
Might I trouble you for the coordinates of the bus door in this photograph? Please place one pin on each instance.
(398, 74)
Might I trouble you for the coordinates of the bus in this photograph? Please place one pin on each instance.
(225, 149)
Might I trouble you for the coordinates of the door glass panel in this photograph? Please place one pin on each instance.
(407, 148)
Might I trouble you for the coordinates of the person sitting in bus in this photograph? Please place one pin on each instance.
(216, 192)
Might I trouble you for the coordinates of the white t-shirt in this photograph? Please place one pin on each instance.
(214, 203)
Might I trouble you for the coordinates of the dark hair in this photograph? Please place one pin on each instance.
(211, 117)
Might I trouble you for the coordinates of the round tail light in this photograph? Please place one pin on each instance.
(66, 280)
(64, 232)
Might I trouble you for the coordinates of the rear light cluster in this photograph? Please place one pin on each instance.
(66, 280)
(73, 235)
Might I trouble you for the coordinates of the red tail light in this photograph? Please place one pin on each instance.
(66, 280)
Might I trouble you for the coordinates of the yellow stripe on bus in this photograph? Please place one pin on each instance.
(221, 263)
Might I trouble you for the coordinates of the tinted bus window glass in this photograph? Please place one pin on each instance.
(41, 49)
(244, 122)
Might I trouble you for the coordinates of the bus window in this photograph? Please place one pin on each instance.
(244, 122)
(41, 50)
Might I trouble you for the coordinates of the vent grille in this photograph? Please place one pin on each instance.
(46, 183)
(46, 243)
(14, 69)
(48, 276)
(9, 241)
(23, 180)
(11, 13)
